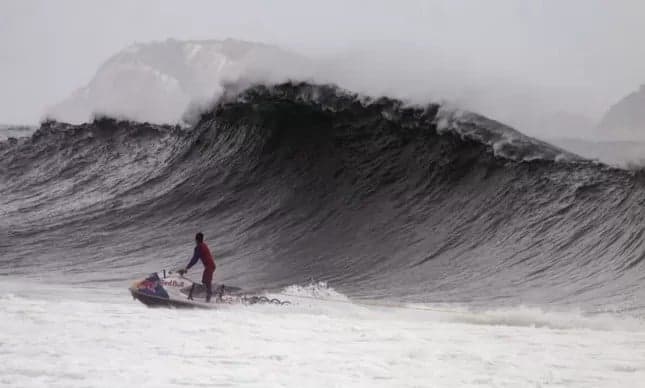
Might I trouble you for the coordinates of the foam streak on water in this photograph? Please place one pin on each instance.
(99, 338)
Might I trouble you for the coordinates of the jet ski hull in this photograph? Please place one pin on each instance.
(155, 301)
(176, 291)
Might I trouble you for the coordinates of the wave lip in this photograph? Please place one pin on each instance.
(505, 141)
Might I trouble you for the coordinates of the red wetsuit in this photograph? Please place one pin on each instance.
(202, 252)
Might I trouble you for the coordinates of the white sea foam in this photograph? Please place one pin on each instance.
(315, 290)
(519, 316)
(533, 317)
(62, 337)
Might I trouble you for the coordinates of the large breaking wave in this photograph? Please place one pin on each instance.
(298, 182)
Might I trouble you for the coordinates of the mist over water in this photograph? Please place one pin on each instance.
(549, 69)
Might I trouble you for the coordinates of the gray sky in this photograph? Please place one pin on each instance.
(580, 54)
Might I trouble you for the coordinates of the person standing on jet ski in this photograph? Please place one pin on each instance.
(202, 252)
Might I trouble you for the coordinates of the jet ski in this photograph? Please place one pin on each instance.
(173, 289)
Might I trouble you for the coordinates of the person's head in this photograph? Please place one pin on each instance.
(199, 238)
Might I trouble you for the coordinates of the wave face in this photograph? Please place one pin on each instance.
(297, 182)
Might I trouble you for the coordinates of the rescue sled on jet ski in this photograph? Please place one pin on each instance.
(175, 290)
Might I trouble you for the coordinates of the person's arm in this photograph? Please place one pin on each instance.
(196, 255)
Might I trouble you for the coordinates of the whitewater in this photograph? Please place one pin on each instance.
(57, 336)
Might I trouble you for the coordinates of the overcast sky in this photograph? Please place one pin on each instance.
(586, 53)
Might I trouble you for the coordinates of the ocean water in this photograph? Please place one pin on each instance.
(419, 246)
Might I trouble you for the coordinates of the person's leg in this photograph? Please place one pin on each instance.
(207, 280)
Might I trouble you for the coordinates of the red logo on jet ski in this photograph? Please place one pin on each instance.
(148, 285)
(172, 283)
